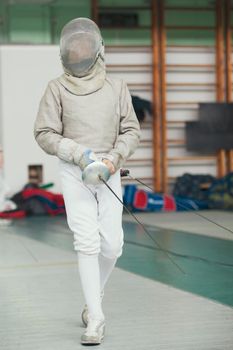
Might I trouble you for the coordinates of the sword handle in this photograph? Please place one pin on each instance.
(124, 172)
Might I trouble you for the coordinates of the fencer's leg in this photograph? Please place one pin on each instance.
(106, 266)
(90, 280)
(81, 209)
(111, 232)
(110, 221)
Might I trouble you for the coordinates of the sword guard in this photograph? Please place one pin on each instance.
(94, 173)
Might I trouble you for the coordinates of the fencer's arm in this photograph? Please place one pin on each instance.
(129, 130)
(48, 128)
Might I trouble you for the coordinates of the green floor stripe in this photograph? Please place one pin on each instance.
(206, 260)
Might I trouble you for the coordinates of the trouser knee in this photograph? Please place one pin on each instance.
(89, 247)
(112, 251)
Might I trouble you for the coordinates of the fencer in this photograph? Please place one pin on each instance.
(87, 120)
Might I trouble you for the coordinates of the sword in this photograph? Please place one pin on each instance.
(143, 227)
(125, 172)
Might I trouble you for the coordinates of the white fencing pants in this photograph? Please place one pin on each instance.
(94, 214)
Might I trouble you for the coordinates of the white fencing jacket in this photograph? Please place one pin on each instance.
(103, 120)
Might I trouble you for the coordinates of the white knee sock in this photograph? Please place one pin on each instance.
(106, 267)
(90, 279)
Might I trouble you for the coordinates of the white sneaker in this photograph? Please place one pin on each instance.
(85, 314)
(94, 333)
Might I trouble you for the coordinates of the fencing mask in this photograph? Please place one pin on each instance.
(81, 45)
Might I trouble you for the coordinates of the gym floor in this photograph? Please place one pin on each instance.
(149, 303)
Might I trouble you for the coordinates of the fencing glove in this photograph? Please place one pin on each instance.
(93, 170)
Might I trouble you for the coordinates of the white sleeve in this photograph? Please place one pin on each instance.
(48, 128)
(129, 130)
